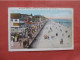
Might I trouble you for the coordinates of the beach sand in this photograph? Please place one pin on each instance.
(62, 31)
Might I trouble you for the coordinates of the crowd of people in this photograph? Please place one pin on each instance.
(50, 30)
(28, 34)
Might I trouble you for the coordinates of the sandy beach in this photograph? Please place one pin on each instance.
(56, 33)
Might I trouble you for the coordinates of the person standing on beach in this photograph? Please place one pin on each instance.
(61, 41)
(56, 34)
(68, 36)
(44, 36)
(48, 37)
(50, 29)
(52, 37)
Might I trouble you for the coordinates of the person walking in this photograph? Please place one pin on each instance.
(12, 43)
(20, 41)
(23, 34)
(24, 44)
(15, 38)
(44, 36)
(30, 35)
(27, 33)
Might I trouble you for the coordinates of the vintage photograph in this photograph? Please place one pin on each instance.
(40, 29)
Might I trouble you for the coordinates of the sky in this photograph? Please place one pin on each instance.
(49, 13)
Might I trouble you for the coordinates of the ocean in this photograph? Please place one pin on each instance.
(66, 22)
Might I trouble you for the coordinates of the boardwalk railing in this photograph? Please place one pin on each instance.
(37, 35)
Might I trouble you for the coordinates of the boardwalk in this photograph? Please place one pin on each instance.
(57, 33)
(18, 45)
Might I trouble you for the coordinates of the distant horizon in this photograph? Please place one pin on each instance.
(59, 18)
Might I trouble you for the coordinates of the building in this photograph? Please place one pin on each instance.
(19, 22)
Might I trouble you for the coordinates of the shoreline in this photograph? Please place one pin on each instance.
(62, 22)
(67, 41)
(60, 26)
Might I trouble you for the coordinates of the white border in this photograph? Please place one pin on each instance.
(39, 49)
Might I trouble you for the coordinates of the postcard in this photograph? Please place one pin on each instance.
(40, 29)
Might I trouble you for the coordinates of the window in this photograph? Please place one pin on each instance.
(15, 19)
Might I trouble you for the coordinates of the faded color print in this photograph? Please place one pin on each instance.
(38, 29)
